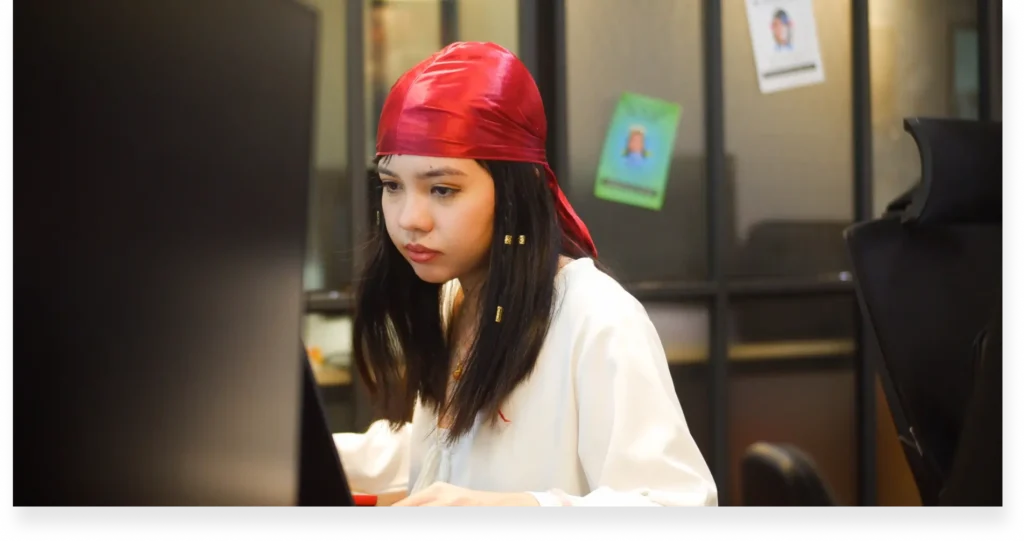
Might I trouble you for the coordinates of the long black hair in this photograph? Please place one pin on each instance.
(399, 343)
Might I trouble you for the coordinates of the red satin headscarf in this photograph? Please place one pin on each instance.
(477, 101)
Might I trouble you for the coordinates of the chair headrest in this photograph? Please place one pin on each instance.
(961, 171)
(780, 474)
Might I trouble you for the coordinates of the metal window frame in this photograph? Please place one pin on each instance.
(990, 19)
(449, 21)
(714, 148)
(355, 103)
(542, 50)
(340, 303)
(863, 203)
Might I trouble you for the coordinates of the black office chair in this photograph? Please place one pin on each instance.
(774, 475)
(929, 282)
(976, 475)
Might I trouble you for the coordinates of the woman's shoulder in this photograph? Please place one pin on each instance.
(588, 295)
(598, 320)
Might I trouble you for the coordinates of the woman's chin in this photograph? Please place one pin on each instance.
(432, 274)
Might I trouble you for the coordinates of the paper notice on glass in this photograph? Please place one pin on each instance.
(785, 41)
(637, 152)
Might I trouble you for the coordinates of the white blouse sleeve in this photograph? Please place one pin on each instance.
(375, 461)
(634, 444)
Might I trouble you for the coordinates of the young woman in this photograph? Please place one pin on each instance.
(510, 370)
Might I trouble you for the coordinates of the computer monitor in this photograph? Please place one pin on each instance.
(162, 161)
(322, 480)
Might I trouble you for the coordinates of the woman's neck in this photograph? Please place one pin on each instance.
(471, 286)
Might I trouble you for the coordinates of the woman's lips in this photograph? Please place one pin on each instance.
(420, 254)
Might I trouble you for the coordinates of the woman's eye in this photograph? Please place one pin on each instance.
(390, 186)
(443, 191)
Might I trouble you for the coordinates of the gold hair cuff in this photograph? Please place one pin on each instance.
(508, 239)
(522, 239)
(497, 317)
(378, 217)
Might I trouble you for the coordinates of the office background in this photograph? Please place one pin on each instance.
(744, 270)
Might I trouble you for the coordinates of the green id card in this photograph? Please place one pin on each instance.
(637, 152)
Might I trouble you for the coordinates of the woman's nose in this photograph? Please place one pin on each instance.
(415, 214)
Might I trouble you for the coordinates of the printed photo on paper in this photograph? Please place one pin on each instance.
(785, 41)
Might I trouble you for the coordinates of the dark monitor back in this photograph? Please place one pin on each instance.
(162, 157)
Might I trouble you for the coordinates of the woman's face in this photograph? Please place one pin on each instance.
(636, 142)
(781, 31)
(439, 213)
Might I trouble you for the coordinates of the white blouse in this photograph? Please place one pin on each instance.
(598, 421)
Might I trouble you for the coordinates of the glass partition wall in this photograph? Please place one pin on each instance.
(743, 270)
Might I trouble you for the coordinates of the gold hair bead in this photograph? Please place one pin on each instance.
(508, 239)
(522, 239)
(497, 317)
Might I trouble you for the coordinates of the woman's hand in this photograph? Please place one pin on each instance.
(443, 494)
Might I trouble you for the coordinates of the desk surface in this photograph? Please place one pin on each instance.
(332, 376)
(781, 350)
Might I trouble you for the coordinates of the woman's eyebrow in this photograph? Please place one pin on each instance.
(440, 172)
(430, 173)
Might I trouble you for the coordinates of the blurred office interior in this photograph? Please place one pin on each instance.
(744, 270)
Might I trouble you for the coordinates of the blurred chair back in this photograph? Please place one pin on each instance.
(775, 475)
(929, 282)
